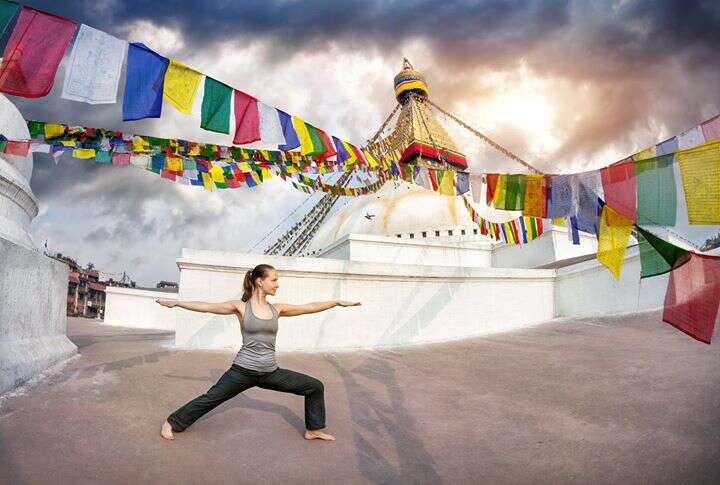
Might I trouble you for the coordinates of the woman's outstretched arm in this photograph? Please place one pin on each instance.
(287, 310)
(221, 308)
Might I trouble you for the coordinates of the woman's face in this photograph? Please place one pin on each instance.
(269, 284)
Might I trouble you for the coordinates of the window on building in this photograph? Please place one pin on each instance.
(474, 231)
(437, 233)
(424, 233)
(398, 235)
(462, 232)
(412, 236)
(450, 232)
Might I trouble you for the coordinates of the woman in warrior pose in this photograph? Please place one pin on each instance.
(255, 363)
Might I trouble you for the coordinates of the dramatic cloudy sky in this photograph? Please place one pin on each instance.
(569, 85)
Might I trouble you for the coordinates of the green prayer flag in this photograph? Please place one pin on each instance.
(216, 106)
(656, 192)
(658, 257)
(515, 192)
(7, 13)
(36, 128)
(318, 145)
(533, 228)
(103, 156)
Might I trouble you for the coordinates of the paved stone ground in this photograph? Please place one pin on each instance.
(604, 400)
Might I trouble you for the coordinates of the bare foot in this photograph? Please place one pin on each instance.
(318, 435)
(166, 431)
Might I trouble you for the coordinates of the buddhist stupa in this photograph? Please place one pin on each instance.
(400, 207)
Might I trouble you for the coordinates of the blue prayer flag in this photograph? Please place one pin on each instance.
(144, 82)
(291, 139)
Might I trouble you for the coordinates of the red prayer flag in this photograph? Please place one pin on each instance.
(233, 183)
(167, 174)
(515, 232)
(491, 180)
(33, 53)
(329, 146)
(121, 159)
(539, 225)
(693, 296)
(620, 189)
(247, 119)
(20, 148)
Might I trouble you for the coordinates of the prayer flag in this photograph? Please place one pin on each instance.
(476, 184)
(342, 153)
(247, 119)
(120, 158)
(271, 131)
(618, 182)
(535, 203)
(693, 296)
(492, 182)
(8, 10)
(711, 128)
(614, 233)
(656, 191)
(216, 106)
(700, 169)
(589, 197)
(462, 182)
(514, 192)
(180, 86)
(447, 183)
(499, 193)
(643, 154)
(292, 141)
(144, 81)
(327, 144)
(691, 138)
(560, 196)
(657, 257)
(207, 181)
(17, 147)
(666, 147)
(83, 153)
(93, 72)
(33, 53)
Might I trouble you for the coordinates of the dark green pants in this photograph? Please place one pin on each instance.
(236, 379)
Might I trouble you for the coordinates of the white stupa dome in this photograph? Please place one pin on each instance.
(398, 207)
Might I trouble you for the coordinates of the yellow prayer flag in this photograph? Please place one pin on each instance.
(174, 163)
(306, 144)
(266, 173)
(700, 169)
(216, 172)
(244, 167)
(140, 145)
(207, 181)
(499, 196)
(253, 174)
(534, 195)
(53, 130)
(614, 233)
(559, 222)
(68, 143)
(447, 184)
(180, 86)
(84, 153)
(370, 159)
(647, 153)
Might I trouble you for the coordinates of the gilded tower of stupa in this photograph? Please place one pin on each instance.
(417, 136)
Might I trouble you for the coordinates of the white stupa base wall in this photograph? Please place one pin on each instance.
(403, 250)
(552, 245)
(589, 289)
(401, 304)
(33, 322)
(134, 308)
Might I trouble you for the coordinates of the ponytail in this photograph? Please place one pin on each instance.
(259, 271)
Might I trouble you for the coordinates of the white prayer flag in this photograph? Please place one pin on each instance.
(476, 187)
(271, 132)
(93, 72)
(691, 138)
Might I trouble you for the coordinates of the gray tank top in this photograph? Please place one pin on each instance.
(258, 334)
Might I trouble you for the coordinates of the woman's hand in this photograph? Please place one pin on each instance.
(347, 303)
(165, 302)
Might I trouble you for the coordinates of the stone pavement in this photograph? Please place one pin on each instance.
(604, 400)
